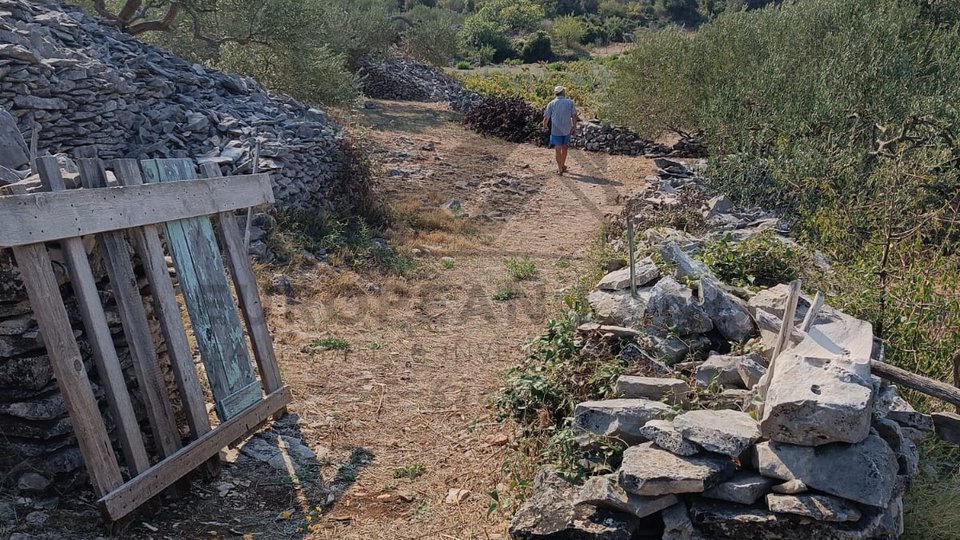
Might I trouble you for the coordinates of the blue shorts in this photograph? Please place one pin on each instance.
(560, 140)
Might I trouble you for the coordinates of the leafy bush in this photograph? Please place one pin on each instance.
(761, 260)
(567, 32)
(537, 48)
(480, 34)
(433, 37)
(512, 15)
(464, 65)
(841, 115)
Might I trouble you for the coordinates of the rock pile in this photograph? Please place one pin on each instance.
(93, 90)
(511, 119)
(400, 77)
(722, 440)
(596, 137)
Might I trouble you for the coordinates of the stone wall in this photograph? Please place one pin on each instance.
(93, 90)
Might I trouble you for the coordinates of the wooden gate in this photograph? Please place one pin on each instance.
(153, 196)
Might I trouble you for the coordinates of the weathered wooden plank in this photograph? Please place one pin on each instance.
(41, 284)
(245, 283)
(128, 498)
(136, 327)
(937, 389)
(98, 334)
(147, 243)
(812, 312)
(786, 328)
(42, 217)
(213, 313)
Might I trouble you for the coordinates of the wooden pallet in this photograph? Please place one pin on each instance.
(154, 197)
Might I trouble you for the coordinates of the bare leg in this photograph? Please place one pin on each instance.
(558, 150)
(562, 160)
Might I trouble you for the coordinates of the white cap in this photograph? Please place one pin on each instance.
(559, 90)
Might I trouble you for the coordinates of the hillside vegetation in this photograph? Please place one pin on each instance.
(842, 115)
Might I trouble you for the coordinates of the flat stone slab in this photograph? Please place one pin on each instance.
(814, 398)
(653, 388)
(645, 271)
(722, 369)
(818, 507)
(751, 370)
(605, 492)
(865, 472)
(619, 308)
(665, 436)
(791, 487)
(621, 418)
(746, 487)
(725, 432)
(650, 471)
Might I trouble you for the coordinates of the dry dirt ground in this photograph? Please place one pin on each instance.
(403, 416)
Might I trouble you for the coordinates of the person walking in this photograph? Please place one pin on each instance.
(561, 116)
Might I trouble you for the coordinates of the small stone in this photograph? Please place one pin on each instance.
(32, 482)
(729, 314)
(37, 518)
(677, 524)
(650, 471)
(750, 370)
(791, 487)
(665, 436)
(724, 431)
(746, 487)
(672, 308)
(619, 308)
(819, 507)
(603, 491)
(457, 496)
(644, 272)
(720, 204)
(620, 418)
(653, 388)
(8, 515)
(721, 369)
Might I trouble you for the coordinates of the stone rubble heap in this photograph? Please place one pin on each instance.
(597, 137)
(399, 77)
(93, 90)
(826, 452)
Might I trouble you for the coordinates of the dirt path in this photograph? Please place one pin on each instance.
(403, 416)
(423, 398)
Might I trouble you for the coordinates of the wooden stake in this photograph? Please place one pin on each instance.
(783, 338)
(812, 313)
(633, 258)
(937, 389)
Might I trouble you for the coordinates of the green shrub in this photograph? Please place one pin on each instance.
(521, 268)
(505, 292)
(567, 33)
(762, 260)
(433, 38)
(464, 65)
(330, 344)
(481, 35)
(537, 48)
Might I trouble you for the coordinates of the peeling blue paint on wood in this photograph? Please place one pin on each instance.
(210, 304)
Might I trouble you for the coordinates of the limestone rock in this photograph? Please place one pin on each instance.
(665, 436)
(724, 432)
(791, 487)
(549, 514)
(645, 272)
(819, 507)
(865, 472)
(650, 471)
(13, 149)
(815, 397)
(32, 482)
(687, 266)
(746, 487)
(723, 369)
(677, 524)
(671, 307)
(619, 308)
(907, 454)
(620, 418)
(604, 492)
(751, 370)
(653, 388)
(729, 314)
(672, 349)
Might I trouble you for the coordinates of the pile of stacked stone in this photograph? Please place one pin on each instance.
(724, 441)
(400, 77)
(90, 89)
(607, 139)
